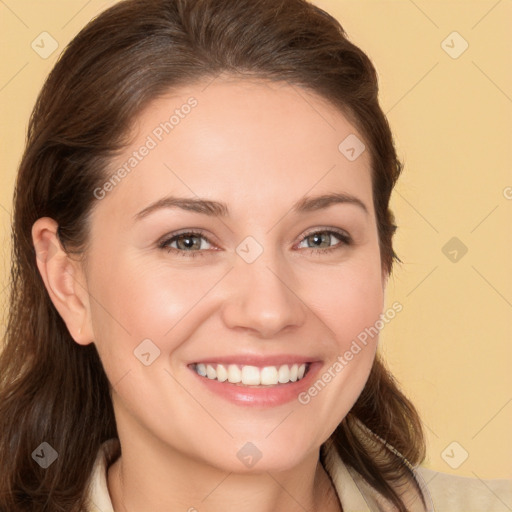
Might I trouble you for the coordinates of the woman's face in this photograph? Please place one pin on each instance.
(270, 279)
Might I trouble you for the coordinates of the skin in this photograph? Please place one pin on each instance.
(259, 147)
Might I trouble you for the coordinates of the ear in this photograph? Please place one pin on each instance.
(64, 280)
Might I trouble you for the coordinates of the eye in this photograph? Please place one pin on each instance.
(321, 240)
(187, 243)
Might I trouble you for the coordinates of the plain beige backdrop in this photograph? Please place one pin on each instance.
(446, 85)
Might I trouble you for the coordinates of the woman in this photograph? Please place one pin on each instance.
(202, 242)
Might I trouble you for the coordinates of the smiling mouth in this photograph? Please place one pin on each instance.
(246, 375)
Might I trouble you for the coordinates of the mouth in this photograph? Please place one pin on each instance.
(255, 380)
(252, 376)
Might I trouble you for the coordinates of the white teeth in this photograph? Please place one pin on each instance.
(293, 372)
(211, 373)
(252, 375)
(222, 373)
(284, 374)
(269, 376)
(234, 374)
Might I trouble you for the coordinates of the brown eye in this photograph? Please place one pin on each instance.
(188, 242)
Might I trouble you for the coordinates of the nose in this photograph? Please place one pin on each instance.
(263, 297)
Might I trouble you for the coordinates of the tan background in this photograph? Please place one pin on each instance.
(451, 346)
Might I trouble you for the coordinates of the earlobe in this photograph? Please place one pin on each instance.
(62, 278)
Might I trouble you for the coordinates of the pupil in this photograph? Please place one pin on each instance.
(318, 239)
(188, 241)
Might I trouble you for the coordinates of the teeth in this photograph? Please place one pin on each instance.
(293, 373)
(269, 376)
(234, 374)
(284, 374)
(211, 373)
(222, 373)
(252, 375)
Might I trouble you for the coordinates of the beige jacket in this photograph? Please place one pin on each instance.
(444, 492)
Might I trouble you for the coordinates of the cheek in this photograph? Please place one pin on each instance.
(359, 306)
(138, 300)
(348, 299)
(349, 307)
(145, 299)
(358, 309)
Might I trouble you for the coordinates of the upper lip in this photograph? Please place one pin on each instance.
(257, 360)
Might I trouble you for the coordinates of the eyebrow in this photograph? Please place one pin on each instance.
(218, 209)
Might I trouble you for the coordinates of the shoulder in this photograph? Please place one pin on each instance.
(442, 492)
(453, 493)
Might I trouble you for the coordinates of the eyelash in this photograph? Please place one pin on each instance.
(344, 238)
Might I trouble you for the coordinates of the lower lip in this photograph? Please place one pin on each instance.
(269, 396)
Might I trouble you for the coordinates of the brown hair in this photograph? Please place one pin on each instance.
(51, 387)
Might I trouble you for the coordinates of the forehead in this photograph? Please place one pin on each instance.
(243, 141)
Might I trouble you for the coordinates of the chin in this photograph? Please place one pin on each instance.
(261, 455)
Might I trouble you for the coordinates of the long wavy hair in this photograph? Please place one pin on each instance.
(51, 388)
